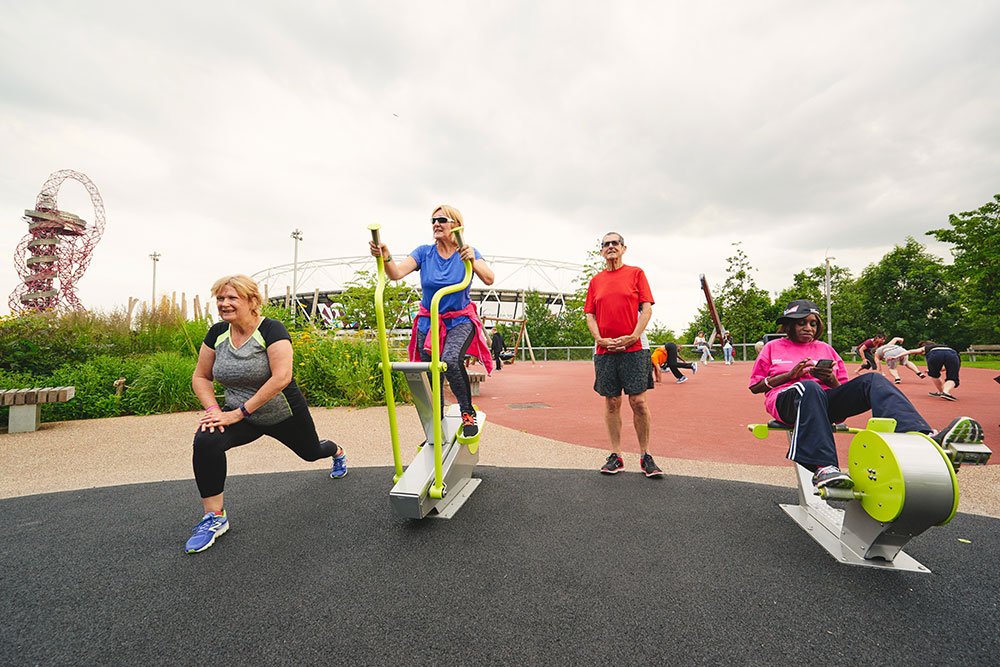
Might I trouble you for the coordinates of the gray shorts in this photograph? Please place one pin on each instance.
(631, 372)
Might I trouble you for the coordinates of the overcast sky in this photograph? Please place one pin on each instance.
(213, 129)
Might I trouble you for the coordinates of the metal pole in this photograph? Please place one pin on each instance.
(829, 310)
(156, 258)
(297, 235)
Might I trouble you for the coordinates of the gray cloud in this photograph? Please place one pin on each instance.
(215, 129)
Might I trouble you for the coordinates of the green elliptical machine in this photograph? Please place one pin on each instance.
(439, 479)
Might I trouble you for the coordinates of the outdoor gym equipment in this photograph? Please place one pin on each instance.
(904, 483)
(439, 479)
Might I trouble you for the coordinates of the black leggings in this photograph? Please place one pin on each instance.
(673, 361)
(455, 344)
(298, 433)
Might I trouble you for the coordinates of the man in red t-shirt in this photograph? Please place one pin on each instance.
(618, 307)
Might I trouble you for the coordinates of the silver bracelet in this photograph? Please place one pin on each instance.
(767, 384)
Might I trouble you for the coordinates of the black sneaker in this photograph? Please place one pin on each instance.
(961, 429)
(469, 427)
(948, 397)
(613, 465)
(649, 467)
(832, 476)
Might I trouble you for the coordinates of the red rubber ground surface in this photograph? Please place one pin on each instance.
(703, 419)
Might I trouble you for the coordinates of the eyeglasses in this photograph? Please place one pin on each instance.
(440, 221)
(613, 242)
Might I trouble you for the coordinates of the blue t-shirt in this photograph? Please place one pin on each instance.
(437, 272)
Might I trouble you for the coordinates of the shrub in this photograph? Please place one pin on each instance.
(162, 384)
(338, 371)
(39, 343)
(94, 380)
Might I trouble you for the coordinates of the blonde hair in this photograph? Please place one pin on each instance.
(451, 212)
(245, 286)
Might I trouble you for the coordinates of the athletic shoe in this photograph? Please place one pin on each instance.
(694, 367)
(921, 376)
(469, 427)
(681, 380)
(898, 381)
(210, 527)
(649, 467)
(961, 429)
(339, 468)
(948, 397)
(934, 393)
(613, 465)
(832, 476)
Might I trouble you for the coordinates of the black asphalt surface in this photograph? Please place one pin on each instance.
(539, 567)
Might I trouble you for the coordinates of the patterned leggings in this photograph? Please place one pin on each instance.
(455, 344)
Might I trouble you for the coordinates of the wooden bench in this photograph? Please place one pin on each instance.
(25, 411)
(982, 349)
(474, 380)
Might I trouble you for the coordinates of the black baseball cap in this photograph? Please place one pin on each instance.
(798, 309)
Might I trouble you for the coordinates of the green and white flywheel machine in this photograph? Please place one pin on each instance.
(904, 483)
(439, 478)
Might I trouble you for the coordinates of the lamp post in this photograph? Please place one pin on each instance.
(829, 310)
(297, 235)
(156, 258)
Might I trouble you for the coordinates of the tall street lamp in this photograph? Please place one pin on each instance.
(156, 258)
(829, 311)
(297, 235)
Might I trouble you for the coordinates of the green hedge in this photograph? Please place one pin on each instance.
(157, 357)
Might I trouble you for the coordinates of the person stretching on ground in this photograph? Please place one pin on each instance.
(810, 397)
(867, 352)
(893, 354)
(442, 263)
(251, 357)
(940, 356)
(618, 306)
(667, 357)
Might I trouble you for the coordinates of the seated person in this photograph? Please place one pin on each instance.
(798, 392)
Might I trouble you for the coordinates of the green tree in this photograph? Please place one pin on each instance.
(357, 302)
(908, 294)
(744, 308)
(849, 324)
(976, 269)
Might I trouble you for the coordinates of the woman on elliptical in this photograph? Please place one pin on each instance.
(441, 264)
(805, 385)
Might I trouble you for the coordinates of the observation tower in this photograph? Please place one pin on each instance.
(57, 249)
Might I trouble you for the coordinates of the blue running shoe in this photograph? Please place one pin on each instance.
(210, 527)
(339, 466)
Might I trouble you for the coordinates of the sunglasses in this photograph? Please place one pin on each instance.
(440, 221)
(605, 244)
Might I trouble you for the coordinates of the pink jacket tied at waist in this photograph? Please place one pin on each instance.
(478, 348)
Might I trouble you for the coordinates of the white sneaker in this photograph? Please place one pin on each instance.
(681, 380)
(694, 367)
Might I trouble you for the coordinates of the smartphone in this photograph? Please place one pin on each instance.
(824, 363)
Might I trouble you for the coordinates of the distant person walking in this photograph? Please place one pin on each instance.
(941, 356)
(618, 307)
(727, 348)
(497, 347)
(702, 346)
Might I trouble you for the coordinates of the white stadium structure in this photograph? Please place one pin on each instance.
(320, 281)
